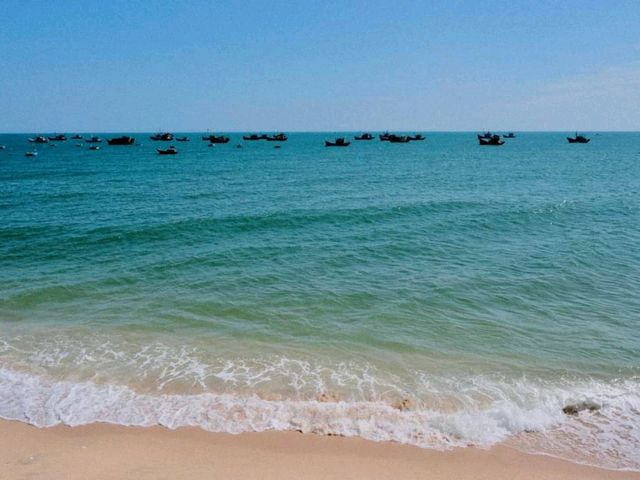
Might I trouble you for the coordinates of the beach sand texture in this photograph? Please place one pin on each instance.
(115, 452)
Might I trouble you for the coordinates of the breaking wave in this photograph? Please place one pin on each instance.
(525, 414)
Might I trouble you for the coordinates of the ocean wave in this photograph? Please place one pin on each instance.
(527, 415)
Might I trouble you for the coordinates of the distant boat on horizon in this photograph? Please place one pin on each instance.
(213, 139)
(364, 136)
(578, 139)
(93, 139)
(509, 135)
(39, 139)
(253, 137)
(124, 140)
(58, 138)
(399, 139)
(162, 137)
(494, 140)
(278, 137)
(339, 142)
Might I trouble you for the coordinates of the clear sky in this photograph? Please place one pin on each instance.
(248, 65)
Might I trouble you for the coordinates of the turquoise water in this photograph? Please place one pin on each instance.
(234, 288)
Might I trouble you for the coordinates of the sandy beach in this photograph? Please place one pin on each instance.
(114, 452)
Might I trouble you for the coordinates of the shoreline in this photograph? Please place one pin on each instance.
(108, 451)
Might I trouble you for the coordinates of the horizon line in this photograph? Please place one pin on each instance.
(65, 132)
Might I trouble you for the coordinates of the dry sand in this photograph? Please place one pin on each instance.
(115, 452)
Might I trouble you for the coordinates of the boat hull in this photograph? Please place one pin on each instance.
(215, 139)
(493, 143)
(254, 138)
(121, 141)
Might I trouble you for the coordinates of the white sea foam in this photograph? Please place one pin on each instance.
(526, 414)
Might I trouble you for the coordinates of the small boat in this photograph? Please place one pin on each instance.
(417, 137)
(94, 147)
(39, 139)
(277, 146)
(399, 139)
(384, 137)
(77, 137)
(494, 140)
(182, 139)
(216, 139)
(340, 142)
(254, 137)
(278, 137)
(364, 136)
(124, 140)
(2, 147)
(238, 146)
(578, 139)
(162, 137)
(58, 138)
(31, 154)
(53, 145)
(169, 151)
(509, 135)
(93, 140)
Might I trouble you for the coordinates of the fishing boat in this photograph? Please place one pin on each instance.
(417, 137)
(182, 139)
(509, 135)
(494, 140)
(216, 139)
(39, 139)
(94, 147)
(169, 151)
(384, 137)
(93, 140)
(340, 142)
(254, 137)
(58, 138)
(77, 137)
(578, 139)
(124, 140)
(399, 139)
(278, 137)
(162, 137)
(31, 154)
(2, 147)
(364, 136)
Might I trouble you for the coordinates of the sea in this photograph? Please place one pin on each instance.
(439, 293)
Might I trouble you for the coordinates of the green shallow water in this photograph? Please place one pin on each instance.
(377, 272)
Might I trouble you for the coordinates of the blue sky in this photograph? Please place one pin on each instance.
(319, 65)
